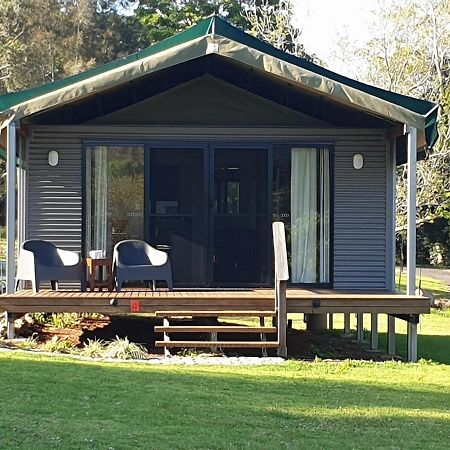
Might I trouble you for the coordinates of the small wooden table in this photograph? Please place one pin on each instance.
(104, 280)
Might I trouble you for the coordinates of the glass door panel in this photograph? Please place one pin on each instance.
(114, 196)
(178, 211)
(240, 216)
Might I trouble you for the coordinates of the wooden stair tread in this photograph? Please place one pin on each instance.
(214, 313)
(224, 344)
(213, 329)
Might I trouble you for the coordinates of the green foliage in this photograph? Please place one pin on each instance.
(124, 349)
(163, 18)
(46, 40)
(93, 348)
(56, 345)
(58, 320)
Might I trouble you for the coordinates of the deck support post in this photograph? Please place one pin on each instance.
(262, 323)
(360, 327)
(11, 158)
(391, 335)
(374, 331)
(330, 321)
(347, 329)
(281, 318)
(166, 336)
(412, 342)
(10, 331)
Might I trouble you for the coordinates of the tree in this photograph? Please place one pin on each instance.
(45, 40)
(410, 54)
(163, 18)
(273, 22)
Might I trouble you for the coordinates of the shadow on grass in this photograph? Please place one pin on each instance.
(55, 403)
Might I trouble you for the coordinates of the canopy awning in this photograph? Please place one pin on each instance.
(216, 36)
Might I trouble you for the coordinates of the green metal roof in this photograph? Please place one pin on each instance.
(219, 27)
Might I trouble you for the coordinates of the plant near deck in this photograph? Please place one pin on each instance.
(56, 345)
(93, 348)
(124, 349)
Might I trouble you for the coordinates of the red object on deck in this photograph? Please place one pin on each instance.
(135, 305)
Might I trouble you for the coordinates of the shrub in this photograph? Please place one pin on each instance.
(124, 349)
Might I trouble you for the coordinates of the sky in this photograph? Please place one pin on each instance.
(323, 21)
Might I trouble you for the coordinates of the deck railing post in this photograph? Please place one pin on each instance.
(281, 277)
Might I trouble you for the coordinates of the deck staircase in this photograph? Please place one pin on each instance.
(217, 330)
(232, 306)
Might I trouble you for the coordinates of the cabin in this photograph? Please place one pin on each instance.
(197, 145)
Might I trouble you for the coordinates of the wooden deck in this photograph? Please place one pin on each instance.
(220, 302)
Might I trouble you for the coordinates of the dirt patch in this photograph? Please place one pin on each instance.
(301, 344)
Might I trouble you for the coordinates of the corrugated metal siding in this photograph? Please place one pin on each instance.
(54, 193)
(54, 211)
(360, 216)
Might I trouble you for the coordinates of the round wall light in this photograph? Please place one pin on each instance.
(358, 161)
(53, 158)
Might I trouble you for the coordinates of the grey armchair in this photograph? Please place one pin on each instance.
(42, 261)
(136, 260)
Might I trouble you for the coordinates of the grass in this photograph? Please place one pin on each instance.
(60, 403)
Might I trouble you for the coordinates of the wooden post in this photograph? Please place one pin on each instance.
(281, 277)
(347, 329)
(10, 332)
(330, 321)
(412, 342)
(374, 331)
(391, 335)
(282, 319)
(262, 323)
(360, 327)
(166, 336)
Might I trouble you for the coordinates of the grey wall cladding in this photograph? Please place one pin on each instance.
(54, 193)
(360, 242)
(360, 217)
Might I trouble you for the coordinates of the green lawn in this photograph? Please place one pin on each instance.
(57, 403)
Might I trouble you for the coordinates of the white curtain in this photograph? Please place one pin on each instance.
(304, 215)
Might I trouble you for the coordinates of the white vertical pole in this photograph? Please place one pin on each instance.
(411, 212)
(411, 238)
(11, 158)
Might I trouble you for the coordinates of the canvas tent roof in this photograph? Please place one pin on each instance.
(216, 36)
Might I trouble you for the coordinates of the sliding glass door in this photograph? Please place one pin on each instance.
(210, 208)
(240, 216)
(114, 199)
(301, 199)
(178, 211)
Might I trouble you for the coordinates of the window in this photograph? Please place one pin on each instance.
(301, 199)
(114, 196)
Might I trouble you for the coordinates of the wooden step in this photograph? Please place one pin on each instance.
(222, 313)
(213, 329)
(223, 344)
